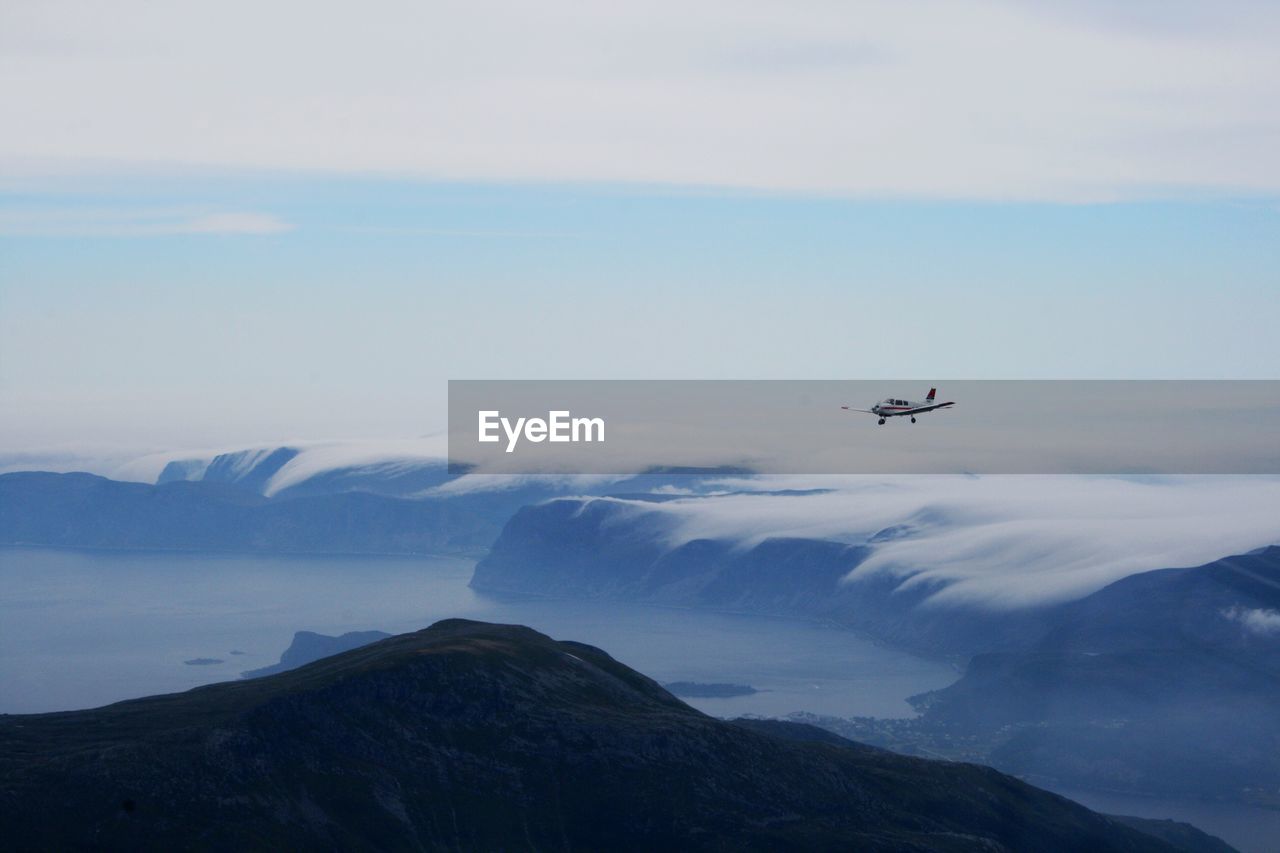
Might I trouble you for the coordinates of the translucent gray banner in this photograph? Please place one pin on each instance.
(865, 427)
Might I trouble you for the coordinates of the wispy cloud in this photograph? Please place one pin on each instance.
(229, 223)
(430, 231)
(1256, 620)
(46, 222)
(474, 483)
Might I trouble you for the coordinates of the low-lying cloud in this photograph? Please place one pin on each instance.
(1256, 620)
(1001, 541)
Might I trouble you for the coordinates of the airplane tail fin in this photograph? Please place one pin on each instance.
(932, 392)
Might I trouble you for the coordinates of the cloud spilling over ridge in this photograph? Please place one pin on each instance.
(384, 457)
(313, 458)
(472, 483)
(1000, 542)
(388, 456)
(994, 541)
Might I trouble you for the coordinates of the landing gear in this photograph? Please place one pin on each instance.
(882, 422)
(913, 420)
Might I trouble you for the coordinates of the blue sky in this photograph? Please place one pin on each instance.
(213, 234)
(347, 317)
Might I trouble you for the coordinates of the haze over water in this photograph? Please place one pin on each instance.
(84, 628)
(80, 629)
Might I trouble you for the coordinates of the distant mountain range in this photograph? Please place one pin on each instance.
(87, 511)
(1164, 681)
(393, 469)
(308, 471)
(474, 736)
(621, 550)
(222, 505)
(1161, 682)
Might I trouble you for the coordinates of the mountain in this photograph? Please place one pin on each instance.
(402, 469)
(308, 646)
(1232, 604)
(315, 470)
(87, 511)
(1165, 681)
(475, 736)
(1167, 637)
(631, 551)
(375, 509)
(251, 469)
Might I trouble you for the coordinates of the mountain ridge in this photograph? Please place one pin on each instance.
(480, 736)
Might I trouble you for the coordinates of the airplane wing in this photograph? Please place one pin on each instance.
(920, 409)
(847, 409)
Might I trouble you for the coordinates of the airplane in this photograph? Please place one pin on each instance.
(892, 408)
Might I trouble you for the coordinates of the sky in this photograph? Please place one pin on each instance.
(233, 223)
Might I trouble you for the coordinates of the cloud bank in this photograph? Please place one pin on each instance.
(967, 99)
(999, 542)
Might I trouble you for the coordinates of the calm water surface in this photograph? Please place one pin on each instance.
(80, 629)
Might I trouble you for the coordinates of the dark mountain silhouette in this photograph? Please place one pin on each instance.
(474, 736)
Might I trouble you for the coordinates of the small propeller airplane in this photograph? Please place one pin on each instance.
(897, 408)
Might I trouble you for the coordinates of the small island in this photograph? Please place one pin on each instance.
(698, 690)
(202, 661)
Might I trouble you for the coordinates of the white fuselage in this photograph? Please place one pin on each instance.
(892, 408)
